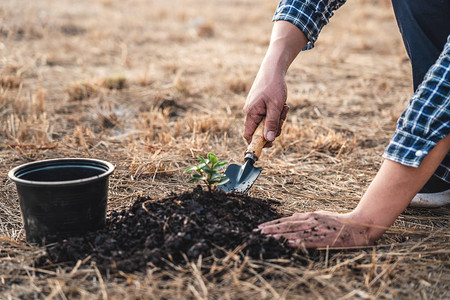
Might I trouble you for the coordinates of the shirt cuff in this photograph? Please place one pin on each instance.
(282, 15)
(408, 149)
(310, 16)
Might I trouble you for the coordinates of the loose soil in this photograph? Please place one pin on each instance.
(176, 230)
(189, 65)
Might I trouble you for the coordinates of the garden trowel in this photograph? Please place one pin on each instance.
(241, 178)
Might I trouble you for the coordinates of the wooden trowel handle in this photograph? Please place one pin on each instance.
(258, 141)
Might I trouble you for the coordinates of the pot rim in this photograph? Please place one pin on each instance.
(12, 173)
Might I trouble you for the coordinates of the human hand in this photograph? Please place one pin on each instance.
(266, 98)
(319, 229)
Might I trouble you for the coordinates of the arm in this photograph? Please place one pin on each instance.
(388, 195)
(418, 146)
(298, 24)
(394, 187)
(268, 94)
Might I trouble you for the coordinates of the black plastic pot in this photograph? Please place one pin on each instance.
(62, 197)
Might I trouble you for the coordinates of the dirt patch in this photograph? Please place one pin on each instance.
(175, 230)
(358, 68)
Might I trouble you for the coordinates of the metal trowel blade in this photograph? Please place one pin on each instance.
(241, 177)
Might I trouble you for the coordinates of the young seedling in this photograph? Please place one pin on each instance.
(208, 171)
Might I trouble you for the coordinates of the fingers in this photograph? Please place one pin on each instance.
(282, 118)
(292, 236)
(308, 230)
(303, 223)
(272, 123)
(312, 238)
(294, 217)
(275, 117)
(315, 241)
(254, 113)
(308, 243)
(319, 230)
(304, 227)
(251, 122)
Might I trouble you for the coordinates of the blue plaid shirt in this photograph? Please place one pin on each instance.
(308, 15)
(425, 121)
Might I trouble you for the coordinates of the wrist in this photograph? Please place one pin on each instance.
(372, 231)
(285, 44)
(275, 63)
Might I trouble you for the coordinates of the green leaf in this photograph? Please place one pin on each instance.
(212, 158)
(202, 160)
(197, 177)
(222, 162)
(217, 175)
(207, 169)
(220, 165)
(193, 168)
(216, 178)
(223, 180)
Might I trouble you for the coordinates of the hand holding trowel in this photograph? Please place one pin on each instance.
(242, 177)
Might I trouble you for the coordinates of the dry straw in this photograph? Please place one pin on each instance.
(181, 94)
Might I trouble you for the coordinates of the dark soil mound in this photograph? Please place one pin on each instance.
(173, 229)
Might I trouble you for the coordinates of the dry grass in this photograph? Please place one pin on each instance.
(184, 73)
(81, 90)
(117, 82)
(10, 81)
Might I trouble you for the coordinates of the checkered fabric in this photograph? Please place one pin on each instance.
(426, 120)
(308, 15)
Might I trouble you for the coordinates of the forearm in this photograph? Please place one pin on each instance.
(285, 44)
(393, 188)
(268, 94)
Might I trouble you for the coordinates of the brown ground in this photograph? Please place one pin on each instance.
(148, 85)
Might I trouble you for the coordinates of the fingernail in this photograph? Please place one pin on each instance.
(271, 136)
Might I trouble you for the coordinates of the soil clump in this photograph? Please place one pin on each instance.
(175, 230)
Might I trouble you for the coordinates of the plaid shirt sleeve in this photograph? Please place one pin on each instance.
(426, 120)
(308, 15)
